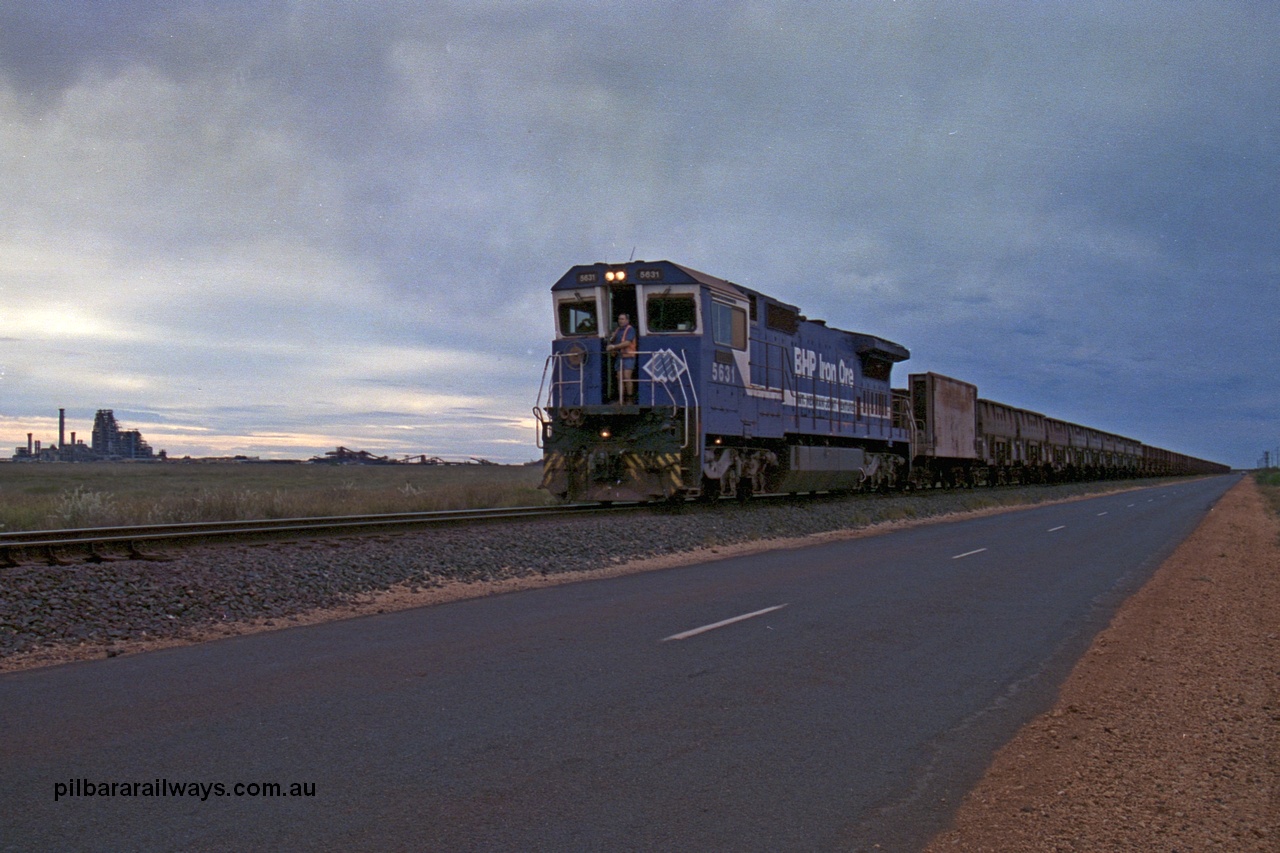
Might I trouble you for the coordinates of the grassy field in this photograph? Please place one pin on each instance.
(1269, 481)
(44, 497)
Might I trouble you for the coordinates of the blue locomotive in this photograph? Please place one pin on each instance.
(665, 382)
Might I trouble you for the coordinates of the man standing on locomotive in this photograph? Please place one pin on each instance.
(623, 343)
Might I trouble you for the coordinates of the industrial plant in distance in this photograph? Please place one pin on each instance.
(109, 444)
(112, 444)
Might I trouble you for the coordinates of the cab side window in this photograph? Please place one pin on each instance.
(728, 325)
(672, 313)
(578, 317)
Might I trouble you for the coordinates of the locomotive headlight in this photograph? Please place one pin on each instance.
(604, 433)
(615, 275)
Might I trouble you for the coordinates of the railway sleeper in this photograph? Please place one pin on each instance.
(97, 555)
(136, 553)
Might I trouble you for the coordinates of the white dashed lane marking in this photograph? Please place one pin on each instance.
(693, 632)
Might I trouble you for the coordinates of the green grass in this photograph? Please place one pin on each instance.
(1268, 476)
(52, 496)
(1269, 482)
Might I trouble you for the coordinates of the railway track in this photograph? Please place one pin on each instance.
(107, 544)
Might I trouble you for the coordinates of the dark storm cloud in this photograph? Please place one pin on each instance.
(47, 47)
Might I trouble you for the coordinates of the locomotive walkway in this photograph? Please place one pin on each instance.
(857, 710)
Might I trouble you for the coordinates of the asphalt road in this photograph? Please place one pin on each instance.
(862, 694)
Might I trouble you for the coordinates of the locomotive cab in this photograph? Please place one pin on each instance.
(618, 422)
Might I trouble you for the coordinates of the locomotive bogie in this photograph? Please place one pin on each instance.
(736, 471)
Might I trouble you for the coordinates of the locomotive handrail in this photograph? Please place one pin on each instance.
(538, 414)
(683, 380)
(559, 383)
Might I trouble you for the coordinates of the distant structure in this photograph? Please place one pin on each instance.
(347, 456)
(109, 443)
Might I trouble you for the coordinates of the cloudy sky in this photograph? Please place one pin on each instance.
(271, 228)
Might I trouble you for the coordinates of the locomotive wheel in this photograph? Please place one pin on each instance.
(710, 490)
(731, 482)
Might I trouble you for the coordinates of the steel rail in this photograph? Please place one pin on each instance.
(92, 538)
(19, 547)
